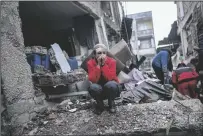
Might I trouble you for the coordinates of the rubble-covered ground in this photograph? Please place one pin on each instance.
(139, 119)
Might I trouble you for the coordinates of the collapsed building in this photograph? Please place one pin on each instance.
(46, 23)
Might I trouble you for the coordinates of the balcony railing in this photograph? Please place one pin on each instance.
(145, 33)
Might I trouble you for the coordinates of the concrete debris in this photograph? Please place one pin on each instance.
(33, 132)
(121, 51)
(58, 122)
(141, 119)
(40, 69)
(73, 110)
(51, 79)
(66, 102)
(52, 116)
(60, 59)
(82, 93)
(123, 77)
(45, 122)
(36, 49)
(178, 96)
(145, 91)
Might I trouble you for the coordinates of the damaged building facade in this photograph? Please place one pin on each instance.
(190, 23)
(75, 26)
(143, 39)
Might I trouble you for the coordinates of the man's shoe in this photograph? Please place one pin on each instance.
(98, 111)
(99, 107)
(112, 107)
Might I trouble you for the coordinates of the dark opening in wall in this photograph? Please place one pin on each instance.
(46, 23)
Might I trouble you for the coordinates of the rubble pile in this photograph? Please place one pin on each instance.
(64, 75)
(146, 91)
(140, 119)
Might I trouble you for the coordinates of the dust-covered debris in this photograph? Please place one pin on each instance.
(130, 119)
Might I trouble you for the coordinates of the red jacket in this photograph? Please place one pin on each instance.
(108, 70)
(184, 74)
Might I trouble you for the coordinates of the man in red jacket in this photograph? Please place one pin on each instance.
(102, 75)
(184, 79)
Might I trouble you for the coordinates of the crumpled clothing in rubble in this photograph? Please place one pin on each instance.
(136, 76)
(141, 88)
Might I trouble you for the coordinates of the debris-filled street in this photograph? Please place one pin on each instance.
(89, 68)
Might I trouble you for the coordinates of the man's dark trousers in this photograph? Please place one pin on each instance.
(109, 91)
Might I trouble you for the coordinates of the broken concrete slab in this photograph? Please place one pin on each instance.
(84, 93)
(61, 59)
(52, 79)
(36, 49)
(141, 119)
(121, 51)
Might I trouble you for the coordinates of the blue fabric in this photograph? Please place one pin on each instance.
(73, 63)
(161, 60)
(46, 61)
(36, 60)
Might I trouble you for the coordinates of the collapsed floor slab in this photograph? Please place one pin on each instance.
(141, 119)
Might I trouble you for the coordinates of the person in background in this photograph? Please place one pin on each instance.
(162, 64)
(185, 80)
(103, 78)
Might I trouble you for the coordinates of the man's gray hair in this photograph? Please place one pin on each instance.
(100, 46)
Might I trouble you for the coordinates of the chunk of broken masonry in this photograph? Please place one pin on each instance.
(51, 79)
(36, 49)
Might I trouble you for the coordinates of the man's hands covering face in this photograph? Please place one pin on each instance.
(101, 59)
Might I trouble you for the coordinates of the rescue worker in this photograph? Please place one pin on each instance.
(103, 78)
(162, 64)
(185, 80)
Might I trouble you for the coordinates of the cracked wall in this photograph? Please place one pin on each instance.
(17, 85)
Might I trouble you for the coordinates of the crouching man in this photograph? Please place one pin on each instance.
(102, 75)
(185, 80)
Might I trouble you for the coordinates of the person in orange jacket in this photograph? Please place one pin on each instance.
(102, 75)
(185, 80)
